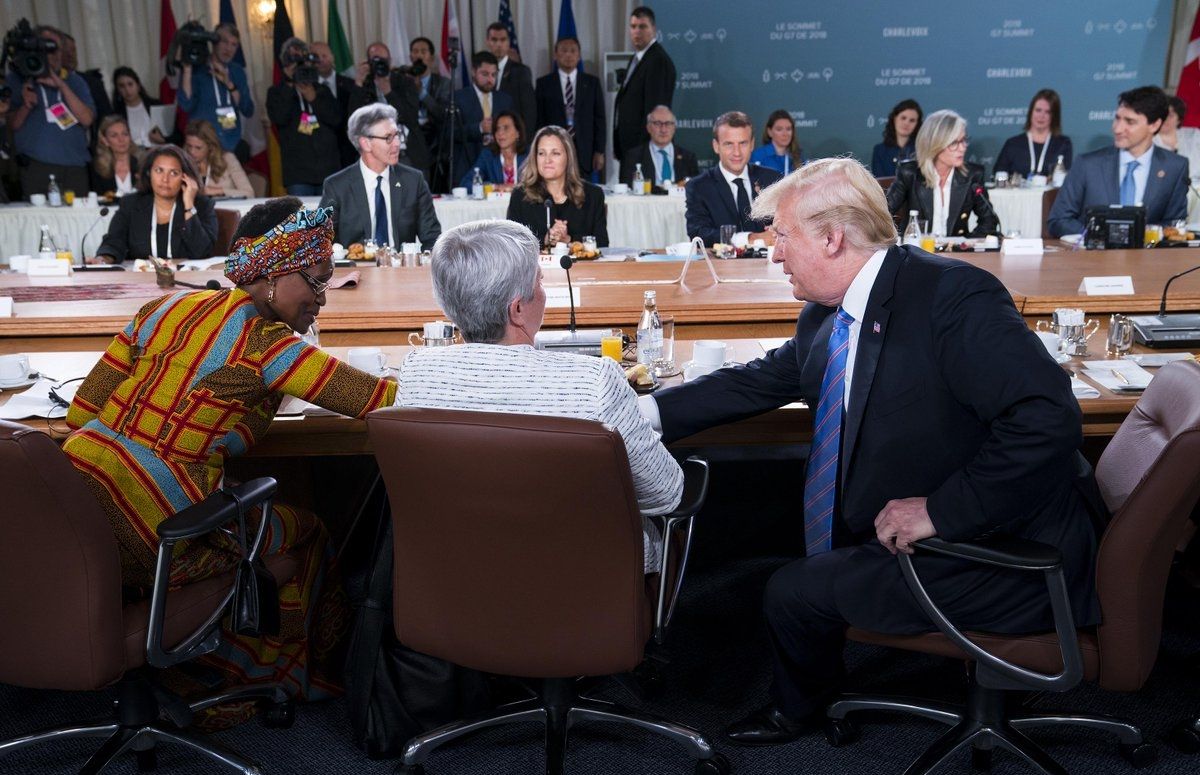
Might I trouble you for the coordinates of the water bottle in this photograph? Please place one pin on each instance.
(649, 331)
(46, 248)
(477, 185)
(313, 335)
(53, 195)
(1059, 176)
(639, 182)
(912, 232)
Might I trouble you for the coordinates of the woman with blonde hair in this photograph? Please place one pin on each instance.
(114, 165)
(940, 184)
(551, 192)
(221, 174)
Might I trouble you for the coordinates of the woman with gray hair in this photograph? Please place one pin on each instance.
(487, 279)
(940, 185)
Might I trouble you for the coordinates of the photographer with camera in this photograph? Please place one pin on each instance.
(51, 114)
(9, 187)
(214, 87)
(433, 90)
(377, 82)
(306, 116)
(341, 87)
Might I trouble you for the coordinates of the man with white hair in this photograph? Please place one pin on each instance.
(487, 279)
(398, 205)
(936, 413)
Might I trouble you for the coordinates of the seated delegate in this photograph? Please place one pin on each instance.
(167, 218)
(499, 163)
(899, 138)
(1036, 150)
(221, 362)
(498, 320)
(576, 208)
(942, 187)
(114, 164)
(780, 150)
(220, 172)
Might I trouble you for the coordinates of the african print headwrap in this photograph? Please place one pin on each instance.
(304, 239)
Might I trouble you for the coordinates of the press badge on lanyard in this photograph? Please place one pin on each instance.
(226, 115)
(58, 113)
(308, 123)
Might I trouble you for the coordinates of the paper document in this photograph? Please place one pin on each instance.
(163, 117)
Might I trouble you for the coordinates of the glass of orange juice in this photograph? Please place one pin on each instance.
(68, 197)
(928, 243)
(612, 345)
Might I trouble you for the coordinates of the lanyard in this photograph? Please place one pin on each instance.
(170, 231)
(304, 106)
(45, 101)
(1038, 169)
(217, 91)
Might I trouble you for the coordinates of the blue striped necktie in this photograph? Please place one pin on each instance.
(381, 223)
(1129, 185)
(820, 480)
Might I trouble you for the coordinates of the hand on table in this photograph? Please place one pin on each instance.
(558, 232)
(901, 522)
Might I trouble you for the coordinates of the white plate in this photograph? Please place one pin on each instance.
(1072, 239)
(32, 378)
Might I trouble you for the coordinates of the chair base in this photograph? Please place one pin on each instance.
(984, 723)
(146, 716)
(558, 706)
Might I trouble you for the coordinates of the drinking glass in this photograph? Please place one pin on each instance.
(664, 365)
(612, 345)
(1120, 336)
(727, 232)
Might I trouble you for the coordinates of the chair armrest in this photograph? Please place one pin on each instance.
(1001, 551)
(218, 509)
(1017, 554)
(695, 490)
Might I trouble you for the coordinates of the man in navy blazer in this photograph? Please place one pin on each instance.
(649, 81)
(586, 122)
(356, 192)
(1132, 171)
(474, 130)
(512, 77)
(662, 146)
(722, 195)
(920, 433)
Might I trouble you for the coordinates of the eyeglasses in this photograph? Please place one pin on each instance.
(389, 139)
(661, 124)
(170, 172)
(961, 142)
(318, 286)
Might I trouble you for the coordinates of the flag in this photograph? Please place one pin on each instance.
(283, 31)
(450, 30)
(1189, 78)
(506, 19)
(343, 60)
(566, 22)
(166, 33)
(252, 127)
(397, 36)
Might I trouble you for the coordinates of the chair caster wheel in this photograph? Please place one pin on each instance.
(147, 761)
(717, 765)
(278, 715)
(841, 731)
(1185, 737)
(1139, 755)
(981, 759)
(409, 769)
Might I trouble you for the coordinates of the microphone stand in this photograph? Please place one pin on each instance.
(95, 223)
(452, 114)
(1162, 305)
(566, 262)
(549, 203)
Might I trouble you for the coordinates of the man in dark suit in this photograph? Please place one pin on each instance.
(919, 431)
(433, 92)
(722, 195)
(476, 106)
(1132, 171)
(662, 160)
(513, 78)
(649, 82)
(376, 81)
(340, 86)
(377, 198)
(573, 100)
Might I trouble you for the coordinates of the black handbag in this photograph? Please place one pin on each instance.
(392, 692)
(255, 609)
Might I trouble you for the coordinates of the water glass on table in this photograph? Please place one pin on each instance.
(664, 365)
(727, 232)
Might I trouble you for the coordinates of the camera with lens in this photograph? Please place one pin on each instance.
(190, 46)
(26, 52)
(306, 68)
(380, 67)
(416, 69)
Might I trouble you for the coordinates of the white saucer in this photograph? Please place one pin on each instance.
(32, 378)
(1062, 358)
(691, 369)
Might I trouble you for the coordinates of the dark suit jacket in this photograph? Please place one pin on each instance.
(306, 158)
(683, 166)
(128, 235)
(651, 84)
(710, 203)
(988, 434)
(1014, 155)
(1093, 181)
(517, 82)
(346, 150)
(413, 217)
(101, 185)
(468, 140)
(405, 98)
(589, 113)
(435, 102)
(967, 194)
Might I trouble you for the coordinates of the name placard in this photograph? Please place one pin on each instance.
(1117, 285)
(1022, 246)
(556, 296)
(6, 306)
(48, 267)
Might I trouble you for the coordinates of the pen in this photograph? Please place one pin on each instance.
(1119, 375)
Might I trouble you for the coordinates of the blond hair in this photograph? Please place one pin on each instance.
(104, 156)
(532, 181)
(938, 132)
(204, 131)
(833, 193)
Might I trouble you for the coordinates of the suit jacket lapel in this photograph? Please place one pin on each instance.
(870, 343)
(1112, 178)
(364, 203)
(396, 189)
(958, 192)
(726, 195)
(1154, 189)
(925, 198)
(812, 370)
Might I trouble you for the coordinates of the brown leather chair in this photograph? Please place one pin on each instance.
(886, 182)
(1048, 197)
(66, 627)
(1150, 482)
(518, 551)
(227, 223)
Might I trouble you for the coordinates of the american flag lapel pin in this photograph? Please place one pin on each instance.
(875, 327)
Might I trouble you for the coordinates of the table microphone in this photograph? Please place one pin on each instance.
(1162, 305)
(549, 203)
(103, 214)
(566, 262)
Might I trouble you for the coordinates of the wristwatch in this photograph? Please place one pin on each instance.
(191, 210)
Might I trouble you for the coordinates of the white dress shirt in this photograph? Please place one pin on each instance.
(941, 202)
(1140, 175)
(741, 238)
(1188, 138)
(500, 65)
(331, 82)
(137, 117)
(658, 171)
(369, 177)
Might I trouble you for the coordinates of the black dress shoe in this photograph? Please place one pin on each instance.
(768, 726)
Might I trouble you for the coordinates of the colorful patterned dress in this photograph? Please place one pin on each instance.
(194, 379)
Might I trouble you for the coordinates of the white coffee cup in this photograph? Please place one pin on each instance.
(708, 353)
(14, 368)
(369, 359)
(621, 188)
(561, 249)
(459, 192)
(439, 329)
(37, 200)
(18, 263)
(93, 199)
(1050, 341)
